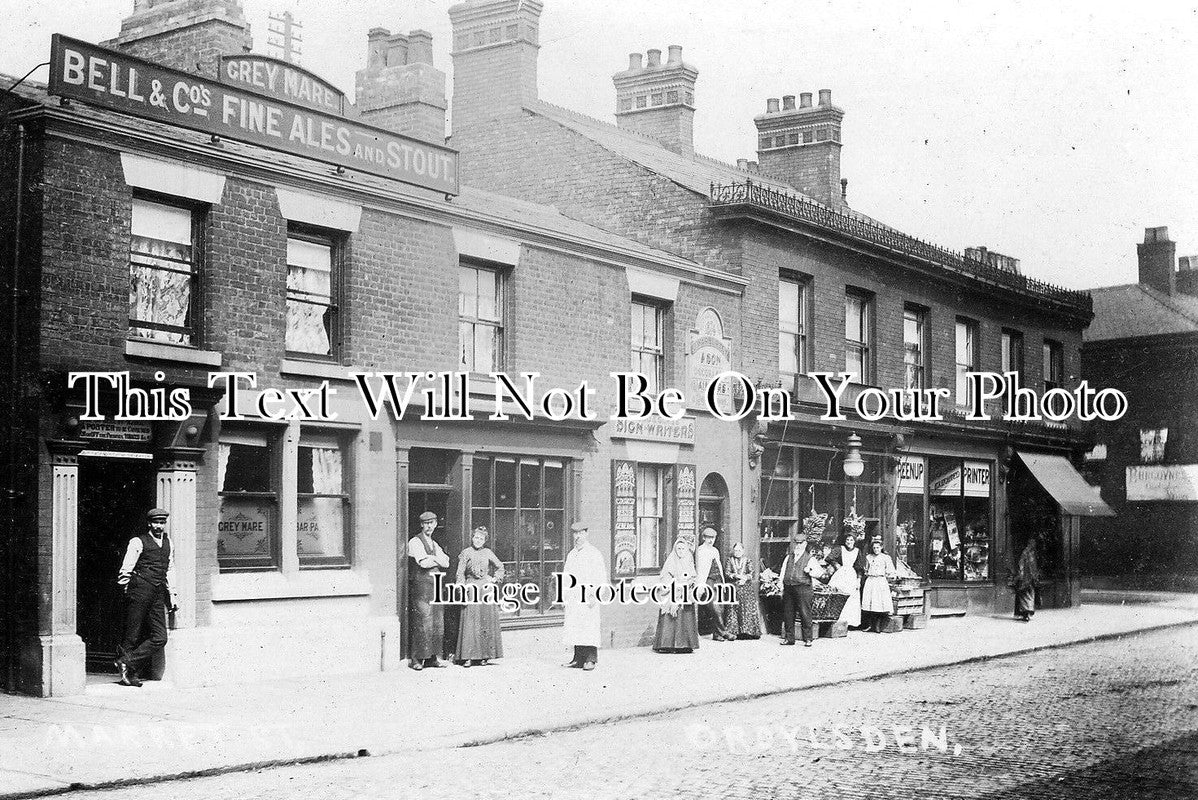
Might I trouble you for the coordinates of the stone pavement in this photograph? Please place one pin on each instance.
(114, 734)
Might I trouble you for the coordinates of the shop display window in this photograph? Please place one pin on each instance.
(960, 513)
(323, 518)
(248, 479)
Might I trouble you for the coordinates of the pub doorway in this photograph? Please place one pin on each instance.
(114, 496)
(436, 501)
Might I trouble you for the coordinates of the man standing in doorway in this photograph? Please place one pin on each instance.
(426, 617)
(581, 630)
(148, 575)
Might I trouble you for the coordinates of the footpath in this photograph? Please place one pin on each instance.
(114, 735)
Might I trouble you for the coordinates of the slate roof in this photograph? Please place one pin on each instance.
(1123, 312)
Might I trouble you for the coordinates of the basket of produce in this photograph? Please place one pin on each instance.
(826, 605)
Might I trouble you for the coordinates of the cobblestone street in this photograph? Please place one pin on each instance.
(1111, 720)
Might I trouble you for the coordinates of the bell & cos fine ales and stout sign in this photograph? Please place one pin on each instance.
(278, 78)
(113, 80)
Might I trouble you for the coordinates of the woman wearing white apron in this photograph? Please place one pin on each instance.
(848, 559)
(875, 595)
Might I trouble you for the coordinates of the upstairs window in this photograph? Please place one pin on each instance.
(967, 355)
(793, 323)
(480, 319)
(1054, 365)
(163, 272)
(858, 336)
(914, 348)
(311, 297)
(648, 349)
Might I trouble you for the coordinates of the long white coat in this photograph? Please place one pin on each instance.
(582, 619)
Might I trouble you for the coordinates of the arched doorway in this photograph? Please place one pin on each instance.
(713, 507)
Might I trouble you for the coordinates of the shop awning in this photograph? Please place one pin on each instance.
(1066, 485)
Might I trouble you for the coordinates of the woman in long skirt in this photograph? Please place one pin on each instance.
(848, 559)
(677, 623)
(743, 620)
(478, 636)
(875, 595)
(1027, 576)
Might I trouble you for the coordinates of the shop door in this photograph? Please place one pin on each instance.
(713, 496)
(114, 496)
(437, 501)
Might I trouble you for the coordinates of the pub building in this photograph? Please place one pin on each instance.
(298, 237)
(828, 288)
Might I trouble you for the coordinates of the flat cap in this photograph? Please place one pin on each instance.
(428, 516)
(157, 513)
(579, 527)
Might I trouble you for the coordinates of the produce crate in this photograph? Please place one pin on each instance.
(908, 601)
(826, 607)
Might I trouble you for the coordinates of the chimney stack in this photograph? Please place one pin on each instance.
(1157, 256)
(1187, 275)
(190, 35)
(495, 44)
(400, 89)
(658, 99)
(802, 145)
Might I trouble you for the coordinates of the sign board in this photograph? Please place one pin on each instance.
(708, 353)
(912, 475)
(685, 503)
(283, 81)
(115, 431)
(1162, 482)
(113, 80)
(656, 429)
(977, 478)
(947, 484)
(623, 493)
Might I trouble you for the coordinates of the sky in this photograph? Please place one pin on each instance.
(1051, 132)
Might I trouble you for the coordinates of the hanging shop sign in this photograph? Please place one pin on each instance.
(282, 80)
(113, 80)
(912, 475)
(708, 353)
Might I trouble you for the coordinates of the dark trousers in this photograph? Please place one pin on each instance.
(584, 653)
(796, 595)
(716, 614)
(145, 607)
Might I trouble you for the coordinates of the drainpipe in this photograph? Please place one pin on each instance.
(11, 490)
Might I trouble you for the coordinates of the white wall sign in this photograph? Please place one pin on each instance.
(977, 478)
(912, 475)
(708, 353)
(1161, 482)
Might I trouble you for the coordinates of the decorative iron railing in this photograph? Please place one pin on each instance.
(804, 210)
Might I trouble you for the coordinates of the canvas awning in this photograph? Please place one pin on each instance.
(1065, 485)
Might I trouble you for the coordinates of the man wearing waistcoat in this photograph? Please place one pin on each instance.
(797, 589)
(148, 575)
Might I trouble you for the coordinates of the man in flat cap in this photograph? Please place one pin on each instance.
(148, 575)
(581, 631)
(427, 619)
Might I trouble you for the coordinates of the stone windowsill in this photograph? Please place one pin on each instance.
(231, 586)
(139, 348)
(314, 369)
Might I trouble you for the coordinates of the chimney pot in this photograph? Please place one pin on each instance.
(844, 189)
(377, 33)
(788, 102)
(654, 58)
(752, 166)
(742, 163)
(675, 54)
(771, 105)
(1157, 258)
(805, 100)
(1156, 235)
(420, 47)
(635, 61)
(825, 97)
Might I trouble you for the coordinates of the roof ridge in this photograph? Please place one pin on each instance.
(1174, 303)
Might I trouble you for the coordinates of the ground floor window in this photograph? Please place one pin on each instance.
(652, 504)
(322, 519)
(248, 474)
(960, 515)
(522, 501)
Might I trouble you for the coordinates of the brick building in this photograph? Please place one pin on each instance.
(827, 289)
(167, 251)
(1144, 341)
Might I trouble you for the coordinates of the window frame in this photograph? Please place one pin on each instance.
(973, 335)
(275, 442)
(335, 240)
(637, 349)
(344, 440)
(1054, 361)
(665, 501)
(802, 334)
(867, 345)
(198, 212)
(498, 325)
(920, 315)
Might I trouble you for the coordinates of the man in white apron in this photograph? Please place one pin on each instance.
(585, 565)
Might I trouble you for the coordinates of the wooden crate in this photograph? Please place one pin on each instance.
(833, 630)
(894, 624)
(915, 622)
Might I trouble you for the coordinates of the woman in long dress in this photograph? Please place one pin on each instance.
(677, 623)
(846, 580)
(744, 618)
(875, 595)
(1027, 576)
(478, 636)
